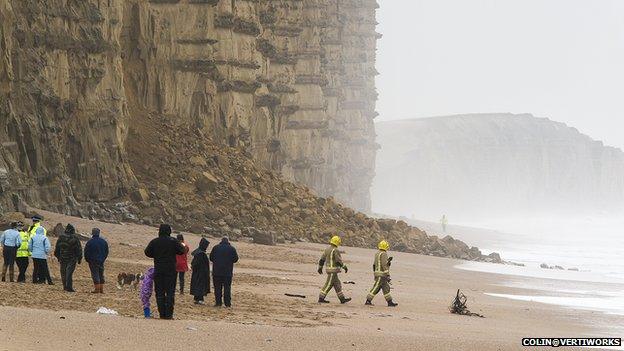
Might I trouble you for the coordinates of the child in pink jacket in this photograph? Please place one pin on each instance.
(147, 286)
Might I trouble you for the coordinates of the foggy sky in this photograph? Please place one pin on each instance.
(561, 59)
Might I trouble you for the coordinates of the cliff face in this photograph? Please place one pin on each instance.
(499, 164)
(63, 116)
(175, 104)
(291, 82)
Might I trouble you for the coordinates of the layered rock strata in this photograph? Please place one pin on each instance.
(292, 82)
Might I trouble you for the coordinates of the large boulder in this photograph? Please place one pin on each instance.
(58, 230)
(494, 258)
(260, 236)
(386, 224)
(198, 161)
(206, 182)
(139, 195)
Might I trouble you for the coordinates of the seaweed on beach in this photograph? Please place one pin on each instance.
(459, 306)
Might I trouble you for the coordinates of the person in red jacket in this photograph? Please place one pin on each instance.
(182, 263)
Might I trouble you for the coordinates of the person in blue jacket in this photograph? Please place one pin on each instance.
(40, 247)
(10, 240)
(223, 257)
(95, 253)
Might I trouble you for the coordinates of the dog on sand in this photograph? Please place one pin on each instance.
(129, 279)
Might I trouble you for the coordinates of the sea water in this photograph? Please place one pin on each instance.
(592, 245)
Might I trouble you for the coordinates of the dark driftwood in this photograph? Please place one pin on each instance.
(459, 306)
(296, 295)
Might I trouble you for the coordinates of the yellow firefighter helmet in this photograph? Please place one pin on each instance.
(383, 245)
(335, 240)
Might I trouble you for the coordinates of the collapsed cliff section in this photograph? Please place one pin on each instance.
(292, 82)
(198, 113)
(204, 187)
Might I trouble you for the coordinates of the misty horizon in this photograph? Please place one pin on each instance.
(556, 59)
(484, 114)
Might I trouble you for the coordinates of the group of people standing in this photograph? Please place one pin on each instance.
(171, 262)
(20, 244)
(170, 257)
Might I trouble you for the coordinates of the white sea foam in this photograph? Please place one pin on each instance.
(594, 246)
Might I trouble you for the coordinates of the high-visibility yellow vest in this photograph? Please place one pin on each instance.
(22, 251)
(381, 267)
(33, 229)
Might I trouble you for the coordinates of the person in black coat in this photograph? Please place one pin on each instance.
(164, 250)
(223, 257)
(68, 251)
(200, 280)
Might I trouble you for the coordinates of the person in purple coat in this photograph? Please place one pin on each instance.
(147, 286)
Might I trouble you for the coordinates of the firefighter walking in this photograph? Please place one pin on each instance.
(381, 269)
(333, 265)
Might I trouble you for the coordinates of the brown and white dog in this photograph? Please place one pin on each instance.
(129, 279)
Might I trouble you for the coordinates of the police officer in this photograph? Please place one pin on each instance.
(23, 255)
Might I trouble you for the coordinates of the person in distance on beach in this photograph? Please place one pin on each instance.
(332, 261)
(164, 250)
(95, 253)
(36, 223)
(182, 263)
(23, 255)
(223, 256)
(40, 247)
(147, 287)
(200, 280)
(11, 241)
(68, 251)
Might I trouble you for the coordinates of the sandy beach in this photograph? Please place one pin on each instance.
(263, 318)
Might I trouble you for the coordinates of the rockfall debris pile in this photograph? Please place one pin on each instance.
(190, 181)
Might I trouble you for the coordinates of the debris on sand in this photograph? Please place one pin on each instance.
(128, 244)
(104, 310)
(349, 282)
(459, 306)
(296, 295)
